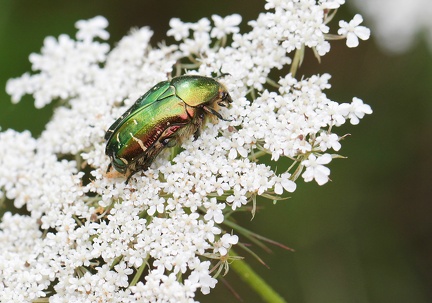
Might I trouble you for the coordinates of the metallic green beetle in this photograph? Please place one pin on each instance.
(163, 117)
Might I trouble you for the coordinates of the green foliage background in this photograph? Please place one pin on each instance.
(366, 236)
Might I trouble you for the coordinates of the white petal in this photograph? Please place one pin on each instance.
(352, 40)
(218, 217)
(362, 32)
(289, 185)
(356, 20)
(242, 151)
(308, 175)
(278, 189)
(232, 153)
(321, 175)
(324, 159)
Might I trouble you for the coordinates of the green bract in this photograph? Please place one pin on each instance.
(169, 112)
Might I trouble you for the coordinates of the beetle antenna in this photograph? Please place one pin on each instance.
(221, 74)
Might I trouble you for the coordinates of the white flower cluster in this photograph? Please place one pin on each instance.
(89, 237)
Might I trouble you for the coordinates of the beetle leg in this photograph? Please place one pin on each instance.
(130, 176)
(213, 112)
(168, 142)
(142, 163)
(197, 133)
(198, 125)
(133, 172)
(109, 167)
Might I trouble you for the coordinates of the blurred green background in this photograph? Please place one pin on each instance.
(366, 236)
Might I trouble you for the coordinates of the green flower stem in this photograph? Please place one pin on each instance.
(257, 154)
(249, 276)
(297, 61)
(139, 273)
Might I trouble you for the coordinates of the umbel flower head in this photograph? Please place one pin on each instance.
(166, 234)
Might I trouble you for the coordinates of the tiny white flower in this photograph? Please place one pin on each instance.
(202, 26)
(353, 31)
(326, 141)
(323, 48)
(235, 146)
(123, 273)
(238, 199)
(157, 204)
(179, 30)
(214, 211)
(92, 28)
(283, 182)
(225, 26)
(332, 4)
(201, 275)
(315, 168)
(225, 243)
(355, 110)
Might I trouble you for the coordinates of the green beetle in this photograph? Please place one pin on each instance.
(163, 117)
